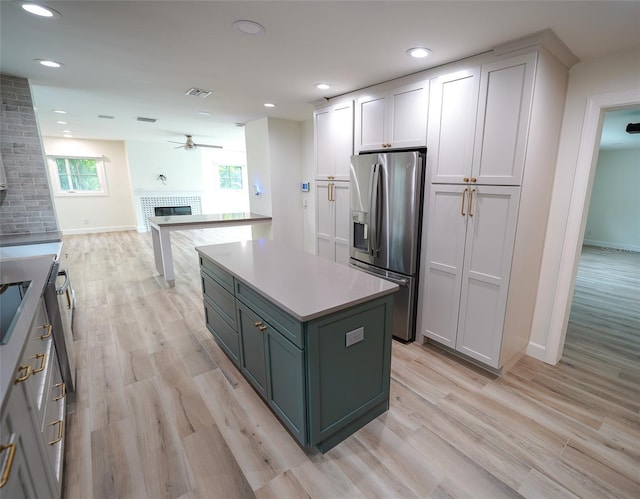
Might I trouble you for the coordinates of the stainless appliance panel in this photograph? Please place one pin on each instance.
(403, 300)
(386, 198)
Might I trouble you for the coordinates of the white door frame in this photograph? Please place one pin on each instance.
(578, 211)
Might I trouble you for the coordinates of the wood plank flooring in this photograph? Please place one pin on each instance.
(160, 412)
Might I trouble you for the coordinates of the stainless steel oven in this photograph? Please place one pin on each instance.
(60, 302)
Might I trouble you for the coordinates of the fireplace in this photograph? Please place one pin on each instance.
(146, 206)
(167, 211)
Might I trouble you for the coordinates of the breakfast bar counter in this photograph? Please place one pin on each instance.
(161, 228)
(311, 336)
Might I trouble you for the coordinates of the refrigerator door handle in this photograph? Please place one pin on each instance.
(374, 209)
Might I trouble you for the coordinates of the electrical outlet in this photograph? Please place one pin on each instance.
(355, 336)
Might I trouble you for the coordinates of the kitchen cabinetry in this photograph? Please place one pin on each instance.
(324, 377)
(395, 118)
(479, 122)
(467, 267)
(493, 135)
(332, 220)
(333, 128)
(33, 418)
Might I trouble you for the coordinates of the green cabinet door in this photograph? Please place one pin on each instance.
(252, 341)
(286, 383)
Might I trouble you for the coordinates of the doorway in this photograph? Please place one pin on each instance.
(603, 332)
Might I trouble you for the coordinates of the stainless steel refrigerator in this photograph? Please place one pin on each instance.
(387, 191)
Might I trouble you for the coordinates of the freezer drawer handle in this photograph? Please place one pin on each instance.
(9, 463)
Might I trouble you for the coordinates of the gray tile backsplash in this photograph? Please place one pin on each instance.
(26, 206)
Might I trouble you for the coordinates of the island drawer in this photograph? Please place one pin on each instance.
(224, 335)
(224, 302)
(288, 326)
(218, 273)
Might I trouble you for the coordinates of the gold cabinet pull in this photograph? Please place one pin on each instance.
(68, 295)
(49, 328)
(465, 179)
(262, 328)
(63, 391)
(257, 323)
(464, 193)
(260, 325)
(8, 463)
(60, 430)
(471, 202)
(43, 360)
(27, 372)
(473, 180)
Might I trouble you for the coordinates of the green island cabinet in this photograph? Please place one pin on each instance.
(312, 337)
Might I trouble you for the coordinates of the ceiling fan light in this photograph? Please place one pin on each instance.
(247, 27)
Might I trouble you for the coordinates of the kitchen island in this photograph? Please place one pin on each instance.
(161, 228)
(311, 336)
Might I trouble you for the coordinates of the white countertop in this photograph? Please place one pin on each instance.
(29, 250)
(215, 218)
(306, 286)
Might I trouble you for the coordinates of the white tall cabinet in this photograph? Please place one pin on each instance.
(333, 129)
(493, 132)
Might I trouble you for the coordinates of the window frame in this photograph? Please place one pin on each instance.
(55, 177)
(241, 176)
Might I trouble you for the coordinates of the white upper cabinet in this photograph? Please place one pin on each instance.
(395, 118)
(333, 126)
(452, 125)
(479, 123)
(504, 108)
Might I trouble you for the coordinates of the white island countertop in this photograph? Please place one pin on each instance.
(304, 285)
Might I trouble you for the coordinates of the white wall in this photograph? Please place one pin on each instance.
(618, 72)
(614, 211)
(88, 214)
(275, 167)
(308, 198)
(147, 160)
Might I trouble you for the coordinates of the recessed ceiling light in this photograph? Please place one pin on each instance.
(269, 104)
(39, 10)
(49, 64)
(418, 52)
(249, 27)
(323, 86)
(204, 113)
(61, 122)
(68, 136)
(59, 111)
(66, 131)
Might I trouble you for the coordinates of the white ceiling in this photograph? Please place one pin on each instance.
(138, 58)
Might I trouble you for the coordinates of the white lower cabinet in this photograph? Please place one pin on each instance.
(332, 220)
(471, 233)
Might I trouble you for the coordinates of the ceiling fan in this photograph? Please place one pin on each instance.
(190, 144)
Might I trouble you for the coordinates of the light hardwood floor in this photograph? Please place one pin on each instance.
(161, 412)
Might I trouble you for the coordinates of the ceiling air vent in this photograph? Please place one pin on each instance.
(105, 116)
(146, 120)
(198, 92)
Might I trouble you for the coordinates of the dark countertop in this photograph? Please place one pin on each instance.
(31, 238)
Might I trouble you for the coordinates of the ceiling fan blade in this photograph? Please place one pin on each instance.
(175, 142)
(207, 145)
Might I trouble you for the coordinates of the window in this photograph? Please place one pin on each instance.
(78, 176)
(230, 177)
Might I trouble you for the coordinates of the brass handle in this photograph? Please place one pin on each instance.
(43, 359)
(465, 179)
(260, 325)
(329, 191)
(257, 324)
(474, 180)
(68, 295)
(63, 391)
(330, 177)
(464, 193)
(471, 202)
(60, 429)
(332, 187)
(49, 328)
(24, 377)
(262, 328)
(7, 467)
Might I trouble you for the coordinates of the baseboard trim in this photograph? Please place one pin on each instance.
(608, 246)
(536, 351)
(96, 230)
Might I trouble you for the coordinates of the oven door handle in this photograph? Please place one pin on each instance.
(65, 285)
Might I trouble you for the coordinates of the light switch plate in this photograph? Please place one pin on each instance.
(355, 336)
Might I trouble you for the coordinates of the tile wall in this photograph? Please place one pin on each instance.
(26, 207)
